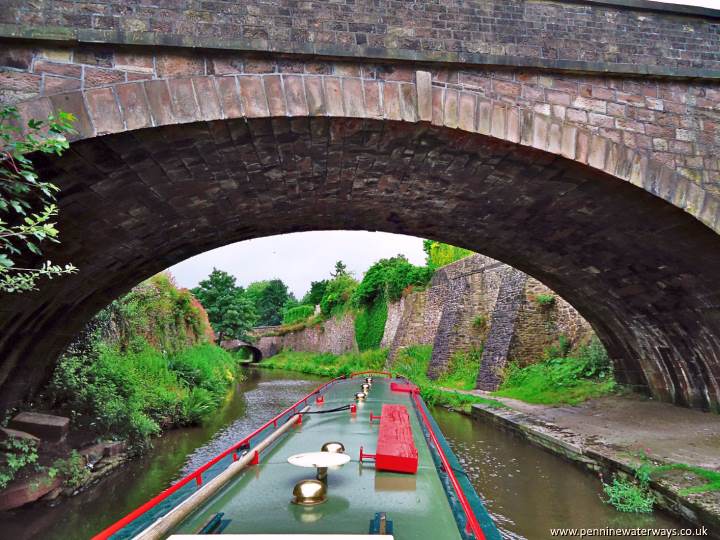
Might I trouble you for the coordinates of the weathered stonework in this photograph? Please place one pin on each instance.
(336, 336)
(558, 157)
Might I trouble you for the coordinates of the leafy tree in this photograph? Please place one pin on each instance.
(387, 278)
(270, 298)
(27, 204)
(316, 292)
(340, 270)
(338, 293)
(230, 310)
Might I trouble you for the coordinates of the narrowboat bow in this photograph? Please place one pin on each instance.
(359, 457)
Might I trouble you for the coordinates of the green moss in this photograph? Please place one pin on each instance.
(370, 325)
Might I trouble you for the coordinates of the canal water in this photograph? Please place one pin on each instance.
(527, 490)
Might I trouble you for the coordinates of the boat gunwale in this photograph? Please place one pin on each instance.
(472, 524)
(197, 473)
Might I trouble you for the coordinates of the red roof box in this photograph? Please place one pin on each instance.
(396, 450)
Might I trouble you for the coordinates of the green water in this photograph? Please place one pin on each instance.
(527, 490)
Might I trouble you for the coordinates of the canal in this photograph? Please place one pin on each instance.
(527, 490)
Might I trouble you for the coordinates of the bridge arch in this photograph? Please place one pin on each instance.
(162, 170)
(237, 344)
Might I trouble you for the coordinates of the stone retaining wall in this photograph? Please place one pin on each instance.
(470, 304)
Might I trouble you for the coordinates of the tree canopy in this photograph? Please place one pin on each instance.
(270, 299)
(230, 310)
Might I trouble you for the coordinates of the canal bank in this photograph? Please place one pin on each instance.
(615, 435)
(526, 490)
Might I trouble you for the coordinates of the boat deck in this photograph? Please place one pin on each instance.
(258, 500)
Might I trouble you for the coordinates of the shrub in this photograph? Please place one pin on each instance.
(73, 470)
(439, 254)
(326, 364)
(629, 496)
(463, 370)
(298, 313)
(545, 300)
(561, 379)
(370, 325)
(17, 454)
(338, 293)
(480, 322)
(387, 278)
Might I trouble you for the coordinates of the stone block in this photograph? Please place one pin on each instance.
(295, 94)
(450, 108)
(134, 105)
(73, 103)
(391, 100)
(408, 102)
(207, 98)
(353, 100)
(423, 87)
(466, 113)
(438, 98)
(275, 95)
(184, 104)
(373, 105)
(315, 96)
(334, 97)
(25, 491)
(48, 427)
(104, 110)
(7, 433)
(230, 99)
(158, 96)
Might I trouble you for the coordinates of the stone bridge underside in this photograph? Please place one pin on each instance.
(604, 187)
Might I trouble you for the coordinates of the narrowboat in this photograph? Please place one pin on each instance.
(359, 457)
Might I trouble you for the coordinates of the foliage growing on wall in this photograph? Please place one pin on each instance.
(388, 278)
(438, 254)
(229, 309)
(27, 203)
(370, 324)
(298, 313)
(337, 295)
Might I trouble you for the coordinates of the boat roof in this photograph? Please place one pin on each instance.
(259, 500)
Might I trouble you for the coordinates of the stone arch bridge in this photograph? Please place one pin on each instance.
(577, 140)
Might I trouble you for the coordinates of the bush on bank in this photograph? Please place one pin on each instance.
(562, 377)
(145, 363)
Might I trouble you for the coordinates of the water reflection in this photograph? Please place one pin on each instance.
(527, 490)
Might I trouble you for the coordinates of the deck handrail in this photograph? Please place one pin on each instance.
(472, 522)
(197, 473)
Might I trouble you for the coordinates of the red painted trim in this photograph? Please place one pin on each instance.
(197, 473)
(472, 522)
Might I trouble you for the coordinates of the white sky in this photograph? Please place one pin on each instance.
(298, 258)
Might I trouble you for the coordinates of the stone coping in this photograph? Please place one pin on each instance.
(72, 36)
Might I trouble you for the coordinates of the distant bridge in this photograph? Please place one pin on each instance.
(576, 140)
(237, 344)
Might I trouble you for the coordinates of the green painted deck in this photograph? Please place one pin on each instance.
(258, 500)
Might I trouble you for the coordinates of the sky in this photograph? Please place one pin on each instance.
(298, 258)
